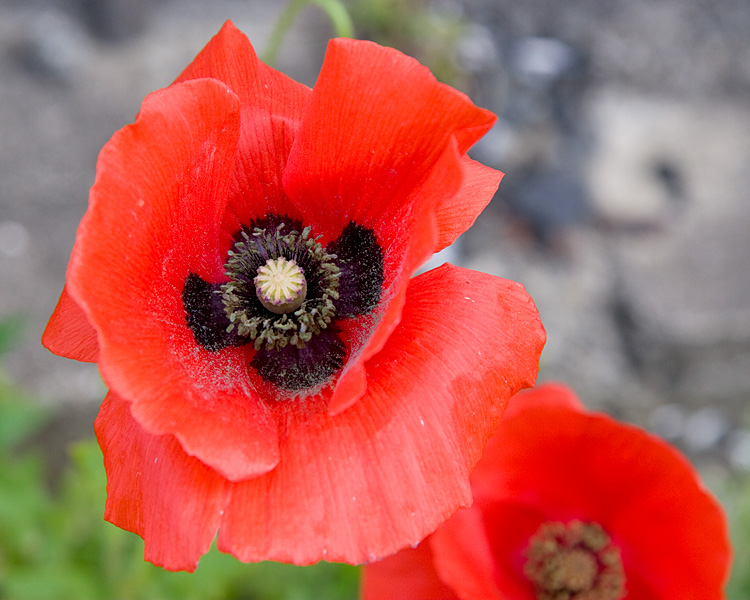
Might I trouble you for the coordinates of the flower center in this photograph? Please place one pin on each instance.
(281, 289)
(299, 345)
(280, 285)
(576, 561)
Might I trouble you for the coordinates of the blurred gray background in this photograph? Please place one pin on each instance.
(624, 131)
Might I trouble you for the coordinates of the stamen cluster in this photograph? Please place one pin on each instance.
(248, 268)
(576, 561)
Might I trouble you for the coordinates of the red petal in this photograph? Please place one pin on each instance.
(350, 387)
(381, 144)
(510, 525)
(457, 214)
(271, 105)
(155, 490)
(408, 244)
(69, 333)
(154, 217)
(377, 123)
(388, 470)
(464, 558)
(663, 505)
(406, 247)
(409, 574)
(549, 395)
(569, 465)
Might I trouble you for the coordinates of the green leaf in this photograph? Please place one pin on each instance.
(20, 415)
(11, 330)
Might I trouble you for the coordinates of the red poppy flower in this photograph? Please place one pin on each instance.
(569, 505)
(242, 277)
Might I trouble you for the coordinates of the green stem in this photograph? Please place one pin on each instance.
(340, 19)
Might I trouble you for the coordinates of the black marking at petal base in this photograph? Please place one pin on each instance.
(205, 314)
(360, 258)
(295, 369)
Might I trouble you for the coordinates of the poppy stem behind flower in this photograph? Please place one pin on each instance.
(340, 19)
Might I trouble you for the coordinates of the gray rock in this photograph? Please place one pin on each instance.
(682, 262)
(705, 428)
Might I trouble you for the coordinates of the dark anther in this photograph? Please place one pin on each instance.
(294, 369)
(360, 259)
(205, 314)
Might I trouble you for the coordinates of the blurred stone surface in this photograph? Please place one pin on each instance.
(705, 428)
(115, 20)
(667, 421)
(739, 449)
(684, 278)
(51, 45)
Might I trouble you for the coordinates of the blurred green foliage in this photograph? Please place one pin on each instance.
(55, 545)
(735, 497)
(11, 329)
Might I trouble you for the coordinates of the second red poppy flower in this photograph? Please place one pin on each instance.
(569, 505)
